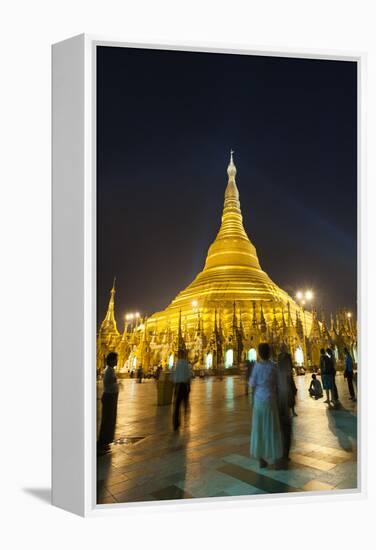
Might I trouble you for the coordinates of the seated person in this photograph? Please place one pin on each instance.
(315, 389)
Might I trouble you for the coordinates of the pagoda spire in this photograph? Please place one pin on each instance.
(275, 326)
(254, 318)
(289, 320)
(181, 342)
(234, 318)
(263, 325)
(215, 321)
(109, 322)
(231, 245)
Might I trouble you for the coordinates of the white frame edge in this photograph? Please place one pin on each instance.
(74, 279)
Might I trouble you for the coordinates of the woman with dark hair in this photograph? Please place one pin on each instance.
(286, 398)
(266, 441)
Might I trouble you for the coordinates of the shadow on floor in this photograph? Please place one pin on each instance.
(343, 424)
(41, 493)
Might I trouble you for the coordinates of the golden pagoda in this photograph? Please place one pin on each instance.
(232, 283)
(224, 313)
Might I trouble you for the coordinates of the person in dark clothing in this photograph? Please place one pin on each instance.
(326, 369)
(248, 371)
(332, 358)
(182, 380)
(315, 389)
(349, 373)
(109, 405)
(140, 373)
(286, 391)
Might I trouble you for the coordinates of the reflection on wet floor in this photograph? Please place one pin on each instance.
(210, 454)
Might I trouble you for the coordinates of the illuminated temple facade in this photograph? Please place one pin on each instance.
(229, 308)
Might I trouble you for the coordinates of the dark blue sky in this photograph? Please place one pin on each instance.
(166, 122)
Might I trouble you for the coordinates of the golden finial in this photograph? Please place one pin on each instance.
(231, 169)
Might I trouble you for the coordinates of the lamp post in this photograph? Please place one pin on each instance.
(303, 298)
(349, 316)
(132, 317)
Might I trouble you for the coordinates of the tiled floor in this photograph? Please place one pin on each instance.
(209, 456)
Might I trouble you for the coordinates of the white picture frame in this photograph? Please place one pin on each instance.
(74, 275)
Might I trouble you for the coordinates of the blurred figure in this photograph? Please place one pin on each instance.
(326, 370)
(315, 389)
(109, 405)
(158, 372)
(266, 442)
(286, 399)
(349, 373)
(139, 374)
(182, 380)
(248, 372)
(332, 358)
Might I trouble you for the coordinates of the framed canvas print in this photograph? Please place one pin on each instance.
(207, 333)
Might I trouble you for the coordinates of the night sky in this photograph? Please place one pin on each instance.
(166, 122)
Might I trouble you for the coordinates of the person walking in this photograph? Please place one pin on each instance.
(139, 374)
(266, 440)
(326, 375)
(349, 373)
(332, 358)
(109, 405)
(182, 380)
(286, 391)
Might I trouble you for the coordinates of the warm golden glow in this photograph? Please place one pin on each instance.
(229, 308)
(309, 295)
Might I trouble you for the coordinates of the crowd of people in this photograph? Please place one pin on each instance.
(273, 398)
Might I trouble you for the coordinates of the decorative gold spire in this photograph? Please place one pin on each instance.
(232, 271)
(231, 169)
(109, 322)
(181, 342)
(232, 246)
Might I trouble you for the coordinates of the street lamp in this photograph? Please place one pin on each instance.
(349, 315)
(130, 317)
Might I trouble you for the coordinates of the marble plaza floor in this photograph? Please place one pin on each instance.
(209, 456)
